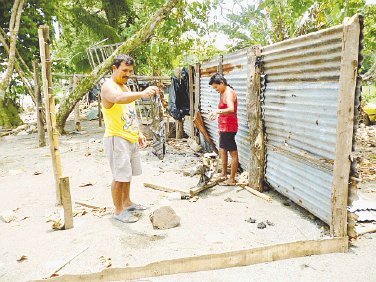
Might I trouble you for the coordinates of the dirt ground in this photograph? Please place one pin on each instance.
(215, 223)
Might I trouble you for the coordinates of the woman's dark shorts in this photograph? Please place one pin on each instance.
(227, 141)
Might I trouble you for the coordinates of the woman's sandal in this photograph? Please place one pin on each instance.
(228, 182)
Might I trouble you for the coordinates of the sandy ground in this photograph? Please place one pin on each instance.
(213, 224)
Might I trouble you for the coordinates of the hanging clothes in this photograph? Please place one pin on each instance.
(178, 105)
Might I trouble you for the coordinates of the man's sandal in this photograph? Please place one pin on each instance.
(137, 207)
(126, 217)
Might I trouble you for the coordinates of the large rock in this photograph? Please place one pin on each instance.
(164, 218)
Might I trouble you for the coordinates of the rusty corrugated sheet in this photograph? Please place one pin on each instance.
(299, 108)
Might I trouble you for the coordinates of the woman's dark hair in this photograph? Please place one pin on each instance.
(128, 60)
(218, 79)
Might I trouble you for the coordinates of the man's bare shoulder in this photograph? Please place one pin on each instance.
(107, 85)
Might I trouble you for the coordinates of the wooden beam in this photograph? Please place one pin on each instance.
(197, 97)
(87, 204)
(256, 193)
(163, 188)
(179, 129)
(198, 189)
(43, 33)
(215, 261)
(345, 123)
(66, 201)
(191, 99)
(39, 104)
(220, 64)
(256, 129)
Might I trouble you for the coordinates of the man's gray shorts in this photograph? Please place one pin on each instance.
(124, 158)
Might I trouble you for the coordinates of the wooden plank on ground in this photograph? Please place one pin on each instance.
(163, 188)
(215, 261)
(198, 189)
(256, 193)
(345, 123)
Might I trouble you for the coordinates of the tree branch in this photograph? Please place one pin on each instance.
(16, 17)
(371, 73)
(128, 46)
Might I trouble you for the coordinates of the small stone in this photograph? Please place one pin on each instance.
(261, 225)
(269, 223)
(251, 220)
(8, 216)
(164, 218)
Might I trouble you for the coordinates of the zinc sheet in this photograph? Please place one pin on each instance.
(299, 111)
(209, 98)
(236, 72)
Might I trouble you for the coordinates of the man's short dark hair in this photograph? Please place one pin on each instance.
(128, 60)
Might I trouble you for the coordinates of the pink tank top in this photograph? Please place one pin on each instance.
(228, 122)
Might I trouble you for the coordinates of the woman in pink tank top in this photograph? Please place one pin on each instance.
(227, 124)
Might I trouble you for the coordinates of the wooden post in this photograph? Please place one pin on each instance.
(77, 122)
(197, 96)
(67, 202)
(43, 33)
(99, 110)
(167, 126)
(191, 100)
(38, 96)
(220, 64)
(345, 123)
(255, 124)
(179, 129)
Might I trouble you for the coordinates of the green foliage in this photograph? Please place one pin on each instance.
(369, 94)
(269, 21)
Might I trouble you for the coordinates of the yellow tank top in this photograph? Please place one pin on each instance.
(121, 120)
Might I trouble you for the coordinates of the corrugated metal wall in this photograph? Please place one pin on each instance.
(187, 125)
(236, 71)
(299, 111)
(209, 98)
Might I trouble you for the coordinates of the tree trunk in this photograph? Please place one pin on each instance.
(128, 46)
(14, 25)
(19, 65)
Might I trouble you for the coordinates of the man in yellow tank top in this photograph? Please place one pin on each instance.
(122, 136)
